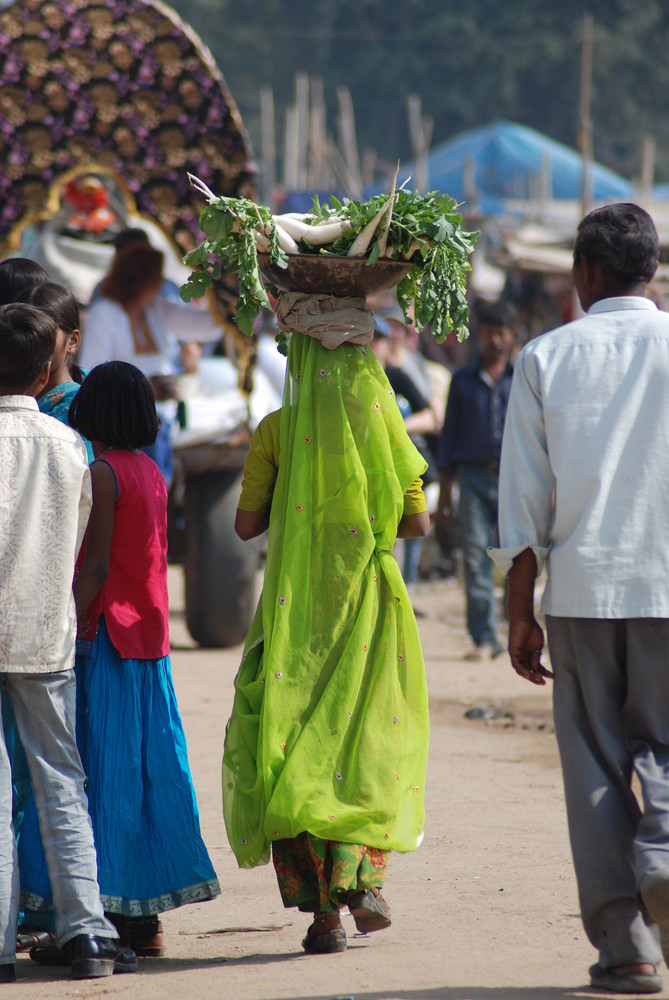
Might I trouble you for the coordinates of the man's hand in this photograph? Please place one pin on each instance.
(526, 642)
(444, 512)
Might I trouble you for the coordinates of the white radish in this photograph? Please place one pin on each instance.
(300, 216)
(286, 240)
(262, 243)
(408, 254)
(320, 236)
(200, 186)
(311, 220)
(328, 221)
(360, 244)
(316, 236)
(383, 238)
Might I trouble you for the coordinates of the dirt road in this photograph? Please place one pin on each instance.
(486, 909)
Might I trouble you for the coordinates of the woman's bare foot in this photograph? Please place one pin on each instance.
(324, 922)
(326, 935)
(638, 969)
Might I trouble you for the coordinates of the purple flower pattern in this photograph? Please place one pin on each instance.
(123, 84)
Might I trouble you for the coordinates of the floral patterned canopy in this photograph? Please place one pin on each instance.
(123, 85)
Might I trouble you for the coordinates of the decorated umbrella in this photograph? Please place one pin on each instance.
(117, 88)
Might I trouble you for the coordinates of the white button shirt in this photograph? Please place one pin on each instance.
(584, 477)
(107, 335)
(45, 501)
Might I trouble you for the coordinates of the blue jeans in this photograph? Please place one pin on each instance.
(44, 708)
(478, 526)
(412, 552)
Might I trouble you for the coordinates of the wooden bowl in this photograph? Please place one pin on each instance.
(340, 276)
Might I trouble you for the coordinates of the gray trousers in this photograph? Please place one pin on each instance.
(611, 706)
(44, 707)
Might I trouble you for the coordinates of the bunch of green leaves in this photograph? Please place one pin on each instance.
(229, 244)
(427, 231)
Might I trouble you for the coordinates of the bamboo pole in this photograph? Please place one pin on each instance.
(302, 140)
(290, 150)
(369, 164)
(268, 144)
(348, 140)
(420, 130)
(647, 170)
(585, 113)
(318, 173)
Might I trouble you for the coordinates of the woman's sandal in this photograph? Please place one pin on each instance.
(324, 942)
(369, 910)
(29, 936)
(144, 935)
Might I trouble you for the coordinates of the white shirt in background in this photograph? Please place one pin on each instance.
(107, 335)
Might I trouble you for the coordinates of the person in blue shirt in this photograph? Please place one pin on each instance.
(468, 453)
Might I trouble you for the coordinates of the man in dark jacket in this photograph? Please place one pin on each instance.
(469, 453)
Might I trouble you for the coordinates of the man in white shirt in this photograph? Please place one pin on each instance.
(45, 499)
(584, 489)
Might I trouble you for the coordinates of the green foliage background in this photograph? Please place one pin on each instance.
(470, 61)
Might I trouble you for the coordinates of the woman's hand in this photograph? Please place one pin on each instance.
(251, 523)
(414, 525)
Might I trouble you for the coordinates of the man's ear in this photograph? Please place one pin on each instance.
(589, 271)
(42, 379)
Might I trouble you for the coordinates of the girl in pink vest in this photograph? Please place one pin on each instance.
(151, 856)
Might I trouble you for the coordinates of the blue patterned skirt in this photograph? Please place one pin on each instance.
(151, 856)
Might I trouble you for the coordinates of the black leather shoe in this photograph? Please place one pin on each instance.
(7, 973)
(92, 957)
(50, 955)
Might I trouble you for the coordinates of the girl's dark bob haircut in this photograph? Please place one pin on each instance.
(115, 406)
(17, 274)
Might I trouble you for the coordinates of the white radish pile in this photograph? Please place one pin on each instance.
(425, 230)
(292, 227)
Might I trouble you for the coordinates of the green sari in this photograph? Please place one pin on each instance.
(329, 730)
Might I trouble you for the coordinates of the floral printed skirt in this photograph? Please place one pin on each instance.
(317, 875)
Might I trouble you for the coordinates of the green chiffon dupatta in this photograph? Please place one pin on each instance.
(329, 731)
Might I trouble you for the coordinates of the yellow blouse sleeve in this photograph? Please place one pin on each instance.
(414, 498)
(261, 465)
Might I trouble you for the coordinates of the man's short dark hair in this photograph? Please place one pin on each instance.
(622, 240)
(501, 313)
(27, 342)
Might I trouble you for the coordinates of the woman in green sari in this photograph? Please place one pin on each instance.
(326, 748)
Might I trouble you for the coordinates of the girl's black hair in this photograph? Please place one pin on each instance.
(17, 274)
(27, 341)
(61, 305)
(115, 405)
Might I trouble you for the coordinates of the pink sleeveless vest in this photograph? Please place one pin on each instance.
(134, 597)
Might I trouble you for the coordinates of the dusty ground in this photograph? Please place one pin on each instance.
(486, 909)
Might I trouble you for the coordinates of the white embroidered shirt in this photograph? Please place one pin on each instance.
(45, 501)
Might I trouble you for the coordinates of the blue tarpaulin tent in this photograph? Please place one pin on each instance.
(504, 161)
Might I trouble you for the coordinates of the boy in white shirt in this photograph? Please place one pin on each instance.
(45, 499)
